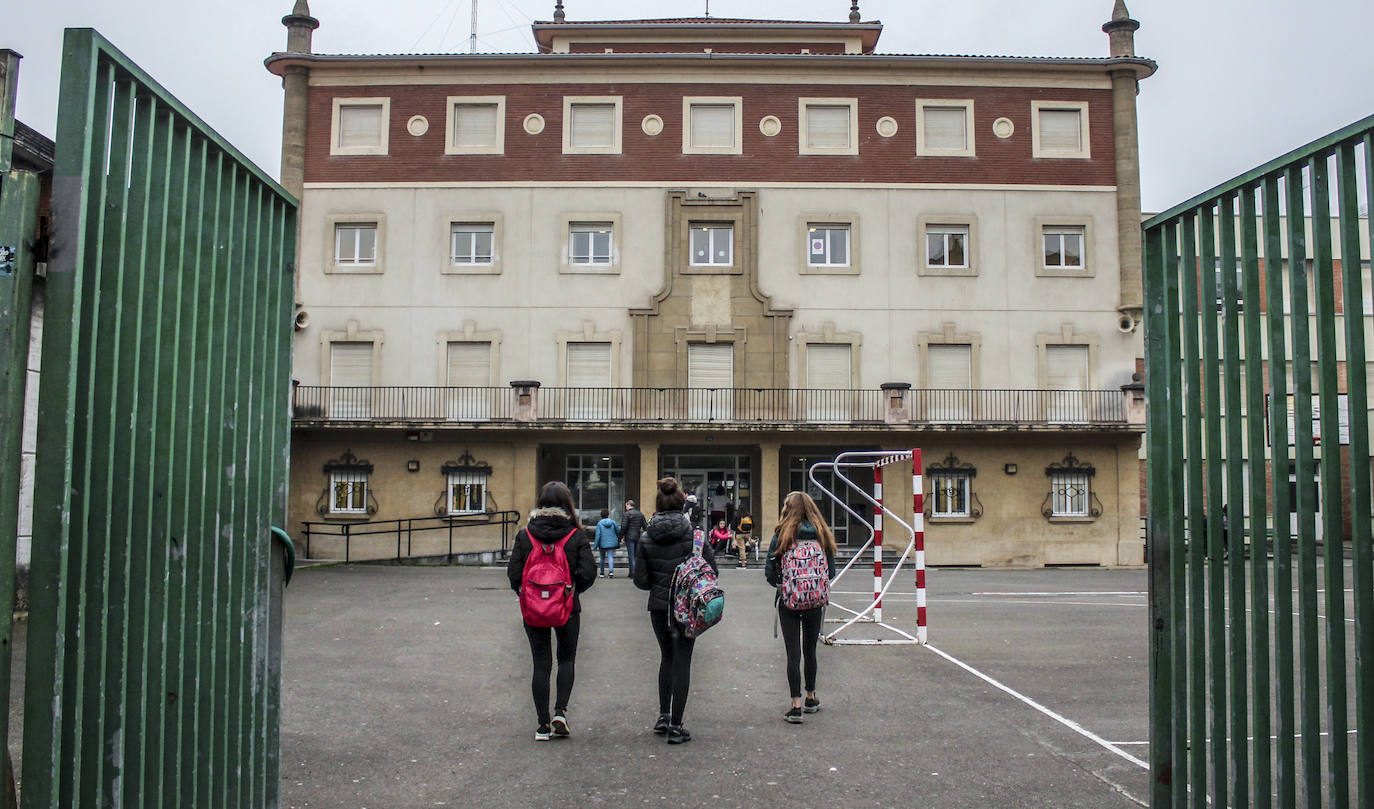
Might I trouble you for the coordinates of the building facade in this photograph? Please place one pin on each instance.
(722, 250)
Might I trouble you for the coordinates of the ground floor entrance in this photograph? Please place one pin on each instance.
(722, 483)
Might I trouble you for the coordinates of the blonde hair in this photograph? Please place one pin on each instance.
(798, 507)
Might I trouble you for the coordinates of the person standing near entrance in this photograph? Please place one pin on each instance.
(631, 528)
(607, 540)
(744, 531)
(549, 587)
(666, 544)
(801, 564)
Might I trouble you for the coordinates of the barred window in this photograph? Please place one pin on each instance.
(349, 493)
(467, 492)
(949, 495)
(1069, 494)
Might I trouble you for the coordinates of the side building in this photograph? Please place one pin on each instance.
(719, 249)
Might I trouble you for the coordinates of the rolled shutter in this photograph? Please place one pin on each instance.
(713, 125)
(593, 125)
(827, 126)
(710, 365)
(949, 367)
(469, 365)
(589, 365)
(1061, 130)
(827, 366)
(1066, 367)
(360, 125)
(944, 127)
(474, 124)
(350, 365)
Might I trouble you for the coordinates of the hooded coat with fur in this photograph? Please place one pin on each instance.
(548, 525)
(666, 544)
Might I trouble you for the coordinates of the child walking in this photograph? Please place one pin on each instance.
(607, 540)
(549, 587)
(801, 564)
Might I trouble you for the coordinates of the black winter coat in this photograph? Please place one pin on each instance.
(666, 544)
(550, 525)
(632, 525)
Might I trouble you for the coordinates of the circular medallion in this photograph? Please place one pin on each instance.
(1003, 127)
(770, 125)
(887, 126)
(417, 125)
(534, 123)
(652, 125)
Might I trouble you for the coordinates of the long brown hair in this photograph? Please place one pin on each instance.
(670, 496)
(798, 507)
(556, 494)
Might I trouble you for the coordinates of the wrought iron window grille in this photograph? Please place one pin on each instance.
(1071, 466)
(950, 469)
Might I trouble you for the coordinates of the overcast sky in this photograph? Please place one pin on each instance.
(1238, 84)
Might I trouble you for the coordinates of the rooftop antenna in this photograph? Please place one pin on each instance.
(472, 32)
(708, 8)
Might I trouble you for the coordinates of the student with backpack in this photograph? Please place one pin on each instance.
(549, 568)
(801, 564)
(668, 543)
(607, 540)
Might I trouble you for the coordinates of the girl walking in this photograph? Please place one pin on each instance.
(666, 543)
(549, 587)
(801, 564)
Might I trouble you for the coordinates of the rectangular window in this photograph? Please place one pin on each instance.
(467, 492)
(1069, 494)
(476, 125)
(949, 380)
(590, 242)
(589, 370)
(947, 247)
(712, 245)
(591, 125)
(944, 128)
(350, 380)
(597, 482)
(949, 495)
(349, 493)
(710, 379)
(828, 126)
(1060, 129)
(355, 244)
(1063, 247)
(827, 245)
(1066, 376)
(471, 243)
(712, 125)
(469, 381)
(360, 126)
(828, 379)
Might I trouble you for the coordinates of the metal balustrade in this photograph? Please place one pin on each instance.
(709, 406)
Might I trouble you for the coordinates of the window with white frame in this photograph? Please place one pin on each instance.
(590, 243)
(712, 245)
(355, 244)
(467, 491)
(712, 125)
(944, 128)
(591, 125)
(476, 125)
(472, 244)
(360, 126)
(348, 492)
(1069, 492)
(827, 245)
(949, 494)
(1060, 129)
(828, 126)
(1063, 247)
(947, 247)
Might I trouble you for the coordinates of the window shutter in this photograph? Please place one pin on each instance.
(710, 365)
(713, 125)
(827, 366)
(949, 367)
(360, 125)
(593, 125)
(350, 365)
(589, 365)
(1061, 130)
(944, 127)
(827, 126)
(469, 365)
(1066, 367)
(474, 124)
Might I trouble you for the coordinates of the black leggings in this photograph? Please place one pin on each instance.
(800, 630)
(674, 666)
(542, 652)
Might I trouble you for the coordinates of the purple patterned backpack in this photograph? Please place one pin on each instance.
(805, 577)
(695, 597)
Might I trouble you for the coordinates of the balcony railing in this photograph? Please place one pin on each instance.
(531, 404)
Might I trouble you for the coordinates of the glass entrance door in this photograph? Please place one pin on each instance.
(722, 484)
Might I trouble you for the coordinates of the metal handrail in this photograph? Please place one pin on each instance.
(404, 530)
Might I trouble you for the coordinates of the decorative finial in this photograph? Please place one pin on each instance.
(301, 9)
(558, 15)
(854, 11)
(1120, 30)
(299, 24)
(1119, 11)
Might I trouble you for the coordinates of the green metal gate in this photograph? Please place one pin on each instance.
(1262, 644)
(163, 434)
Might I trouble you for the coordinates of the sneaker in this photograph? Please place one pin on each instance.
(560, 725)
(661, 726)
(601, 575)
(611, 575)
(542, 733)
(677, 734)
(794, 716)
(811, 705)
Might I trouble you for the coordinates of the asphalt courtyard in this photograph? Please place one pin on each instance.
(409, 687)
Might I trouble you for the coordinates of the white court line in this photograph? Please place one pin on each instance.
(938, 600)
(1066, 593)
(1063, 720)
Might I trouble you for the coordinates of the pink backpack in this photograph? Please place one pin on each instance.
(805, 577)
(546, 587)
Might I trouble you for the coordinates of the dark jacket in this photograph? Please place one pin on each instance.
(772, 571)
(666, 544)
(550, 525)
(632, 525)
